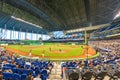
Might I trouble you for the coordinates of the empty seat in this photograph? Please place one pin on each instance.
(16, 76)
(74, 76)
(7, 76)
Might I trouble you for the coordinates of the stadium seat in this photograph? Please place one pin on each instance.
(43, 77)
(5, 68)
(10, 65)
(100, 76)
(74, 76)
(23, 76)
(7, 76)
(87, 76)
(44, 72)
(16, 76)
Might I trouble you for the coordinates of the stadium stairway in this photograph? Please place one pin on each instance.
(56, 72)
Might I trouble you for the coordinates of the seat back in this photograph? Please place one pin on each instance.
(16, 76)
(117, 73)
(74, 76)
(23, 76)
(7, 76)
(43, 77)
(87, 75)
(101, 75)
(44, 72)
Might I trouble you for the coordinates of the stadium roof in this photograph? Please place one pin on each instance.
(65, 14)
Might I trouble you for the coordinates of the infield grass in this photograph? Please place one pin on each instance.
(56, 50)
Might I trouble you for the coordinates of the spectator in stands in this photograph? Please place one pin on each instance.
(4, 62)
(1, 77)
(63, 70)
(17, 66)
(8, 71)
(37, 77)
(30, 77)
(49, 68)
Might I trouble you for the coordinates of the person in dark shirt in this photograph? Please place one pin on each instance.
(29, 77)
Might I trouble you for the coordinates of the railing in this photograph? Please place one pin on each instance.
(64, 75)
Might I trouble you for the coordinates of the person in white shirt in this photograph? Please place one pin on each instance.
(37, 77)
(30, 53)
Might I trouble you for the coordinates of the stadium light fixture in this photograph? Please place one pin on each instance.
(25, 21)
(117, 15)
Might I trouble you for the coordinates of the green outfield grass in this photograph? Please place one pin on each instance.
(66, 50)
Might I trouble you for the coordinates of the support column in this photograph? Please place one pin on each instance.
(85, 36)
(13, 32)
(19, 34)
(42, 36)
(26, 34)
(2, 4)
(37, 36)
(10, 34)
(5, 32)
(31, 35)
(1, 33)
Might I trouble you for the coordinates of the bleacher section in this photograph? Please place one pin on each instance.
(15, 68)
(105, 67)
(59, 39)
(105, 32)
(109, 28)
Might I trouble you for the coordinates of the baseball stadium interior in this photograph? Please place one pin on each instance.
(59, 39)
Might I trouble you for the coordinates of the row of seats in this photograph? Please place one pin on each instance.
(107, 64)
(16, 68)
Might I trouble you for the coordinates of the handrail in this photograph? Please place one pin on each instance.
(64, 75)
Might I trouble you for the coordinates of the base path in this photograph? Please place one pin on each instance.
(87, 52)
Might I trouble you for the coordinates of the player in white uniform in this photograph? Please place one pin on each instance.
(30, 53)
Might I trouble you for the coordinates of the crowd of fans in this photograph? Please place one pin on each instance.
(108, 45)
(107, 64)
(16, 68)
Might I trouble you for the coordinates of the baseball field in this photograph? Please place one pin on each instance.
(54, 52)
